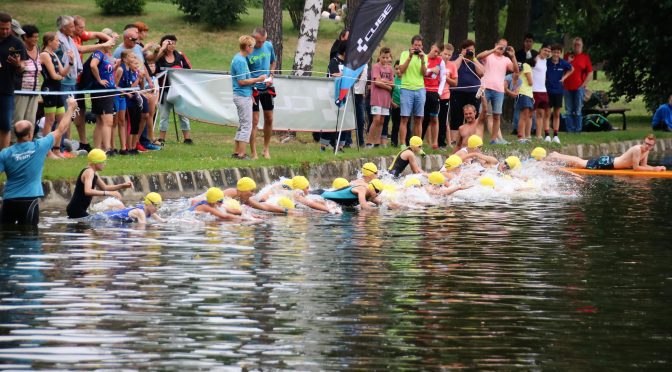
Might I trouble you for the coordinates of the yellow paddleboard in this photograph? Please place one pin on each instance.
(620, 172)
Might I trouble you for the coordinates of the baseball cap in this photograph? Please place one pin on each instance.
(16, 27)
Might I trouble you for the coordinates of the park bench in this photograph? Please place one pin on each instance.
(605, 111)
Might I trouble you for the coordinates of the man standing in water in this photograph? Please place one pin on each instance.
(636, 158)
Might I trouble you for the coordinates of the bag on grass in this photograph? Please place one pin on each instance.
(596, 123)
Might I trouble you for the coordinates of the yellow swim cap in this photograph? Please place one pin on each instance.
(300, 183)
(96, 156)
(286, 202)
(369, 169)
(246, 184)
(288, 183)
(340, 183)
(214, 195)
(538, 153)
(474, 141)
(415, 141)
(153, 198)
(512, 162)
(412, 182)
(453, 162)
(436, 178)
(487, 181)
(232, 204)
(376, 185)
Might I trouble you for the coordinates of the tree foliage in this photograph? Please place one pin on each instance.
(215, 13)
(121, 7)
(295, 9)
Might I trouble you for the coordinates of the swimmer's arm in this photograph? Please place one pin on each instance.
(263, 197)
(216, 212)
(103, 189)
(642, 165)
(489, 160)
(415, 167)
(311, 204)
(361, 197)
(266, 207)
(158, 218)
(139, 215)
(237, 212)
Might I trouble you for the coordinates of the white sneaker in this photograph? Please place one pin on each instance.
(556, 139)
(547, 139)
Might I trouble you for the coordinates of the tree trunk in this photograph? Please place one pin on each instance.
(273, 26)
(350, 12)
(305, 48)
(486, 24)
(517, 22)
(443, 19)
(430, 22)
(458, 22)
(295, 10)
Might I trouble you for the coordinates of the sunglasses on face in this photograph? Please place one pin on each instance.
(134, 39)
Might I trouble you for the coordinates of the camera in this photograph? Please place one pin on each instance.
(469, 54)
(416, 51)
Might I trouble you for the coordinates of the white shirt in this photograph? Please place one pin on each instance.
(360, 85)
(539, 76)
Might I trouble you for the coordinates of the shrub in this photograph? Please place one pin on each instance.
(215, 13)
(121, 7)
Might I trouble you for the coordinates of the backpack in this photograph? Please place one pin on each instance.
(596, 123)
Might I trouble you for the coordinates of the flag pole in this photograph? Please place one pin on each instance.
(340, 128)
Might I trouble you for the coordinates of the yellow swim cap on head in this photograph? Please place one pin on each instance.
(415, 141)
(474, 141)
(369, 169)
(512, 162)
(340, 183)
(376, 185)
(214, 195)
(153, 198)
(96, 156)
(538, 153)
(287, 182)
(286, 202)
(453, 162)
(487, 182)
(300, 183)
(412, 182)
(246, 184)
(232, 204)
(436, 178)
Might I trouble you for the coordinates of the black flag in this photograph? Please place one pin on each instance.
(369, 24)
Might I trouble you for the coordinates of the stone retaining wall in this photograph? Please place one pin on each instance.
(178, 184)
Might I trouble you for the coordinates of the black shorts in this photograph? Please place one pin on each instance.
(102, 104)
(20, 211)
(266, 100)
(81, 101)
(49, 101)
(432, 104)
(555, 100)
(603, 162)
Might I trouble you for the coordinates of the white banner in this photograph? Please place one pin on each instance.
(302, 103)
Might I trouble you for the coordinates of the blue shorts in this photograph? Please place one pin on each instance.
(496, 99)
(145, 105)
(119, 103)
(412, 102)
(524, 102)
(6, 112)
(67, 88)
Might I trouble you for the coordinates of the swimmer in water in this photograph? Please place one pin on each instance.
(300, 192)
(439, 187)
(408, 157)
(244, 191)
(214, 199)
(87, 182)
(353, 195)
(140, 213)
(369, 172)
(636, 157)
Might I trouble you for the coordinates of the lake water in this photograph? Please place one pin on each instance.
(563, 282)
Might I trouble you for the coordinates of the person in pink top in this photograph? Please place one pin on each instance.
(382, 75)
(575, 85)
(497, 62)
(445, 135)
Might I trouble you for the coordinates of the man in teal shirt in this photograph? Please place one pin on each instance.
(23, 163)
(262, 62)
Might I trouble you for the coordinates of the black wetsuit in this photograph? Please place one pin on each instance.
(79, 202)
(399, 164)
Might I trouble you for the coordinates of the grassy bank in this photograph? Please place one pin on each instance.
(208, 49)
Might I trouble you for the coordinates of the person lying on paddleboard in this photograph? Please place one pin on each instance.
(636, 158)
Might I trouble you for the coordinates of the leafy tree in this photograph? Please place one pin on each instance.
(295, 9)
(412, 11)
(121, 7)
(215, 13)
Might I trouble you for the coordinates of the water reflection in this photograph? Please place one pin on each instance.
(569, 283)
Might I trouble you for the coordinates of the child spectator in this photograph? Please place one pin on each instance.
(557, 70)
(122, 79)
(395, 109)
(383, 83)
(541, 107)
(525, 102)
(451, 81)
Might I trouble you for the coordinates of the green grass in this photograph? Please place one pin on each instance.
(210, 49)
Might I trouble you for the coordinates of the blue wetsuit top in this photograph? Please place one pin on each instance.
(122, 215)
(342, 196)
(193, 207)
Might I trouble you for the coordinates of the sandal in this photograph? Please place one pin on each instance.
(159, 142)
